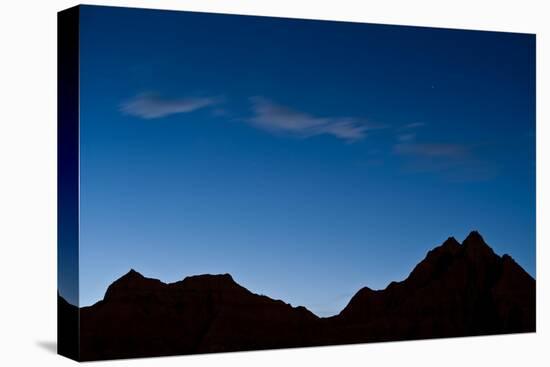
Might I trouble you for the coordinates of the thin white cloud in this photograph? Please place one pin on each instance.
(276, 118)
(432, 150)
(456, 162)
(414, 125)
(150, 106)
(406, 137)
(408, 133)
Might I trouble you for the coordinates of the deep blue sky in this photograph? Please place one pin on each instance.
(306, 158)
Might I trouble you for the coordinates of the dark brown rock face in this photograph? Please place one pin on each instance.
(208, 313)
(67, 328)
(457, 290)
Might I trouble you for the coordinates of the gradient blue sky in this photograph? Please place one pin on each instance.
(306, 158)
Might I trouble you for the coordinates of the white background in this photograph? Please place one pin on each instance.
(28, 182)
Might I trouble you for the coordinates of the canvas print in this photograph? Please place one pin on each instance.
(235, 183)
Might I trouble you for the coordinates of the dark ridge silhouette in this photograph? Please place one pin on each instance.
(67, 328)
(457, 290)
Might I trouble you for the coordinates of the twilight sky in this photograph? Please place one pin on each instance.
(308, 159)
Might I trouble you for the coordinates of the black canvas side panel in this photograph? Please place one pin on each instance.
(68, 182)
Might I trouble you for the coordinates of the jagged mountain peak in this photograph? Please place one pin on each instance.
(130, 284)
(132, 274)
(451, 242)
(474, 236)
(456, 290)
(476, 247)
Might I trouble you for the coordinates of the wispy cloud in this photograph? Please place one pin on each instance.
(406, 137)
(432, 150)
(276, 118)
(407, 133)
(456, 162)
(150, 106)
(414, 125)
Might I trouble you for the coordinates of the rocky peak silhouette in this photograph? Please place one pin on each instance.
(456, 290)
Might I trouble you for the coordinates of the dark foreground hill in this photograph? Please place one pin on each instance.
(457, 290)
